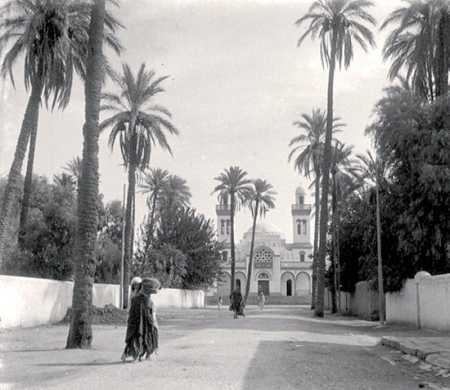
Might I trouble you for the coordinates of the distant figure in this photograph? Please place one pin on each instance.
(219, 303)
(142, 337)
(237, 303)
(261, 300)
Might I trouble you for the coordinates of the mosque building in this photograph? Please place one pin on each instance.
(281, 270)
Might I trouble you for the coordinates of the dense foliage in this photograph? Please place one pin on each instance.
(413, 140)
(48, 238)
(184, 252)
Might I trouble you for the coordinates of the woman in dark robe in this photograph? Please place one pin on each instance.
(237, 303)
(142, 329)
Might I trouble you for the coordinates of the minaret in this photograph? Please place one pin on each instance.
(223, 212)
(301, 213)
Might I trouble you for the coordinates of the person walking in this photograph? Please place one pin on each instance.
(261, 300)
(142, 336)
(237, 304)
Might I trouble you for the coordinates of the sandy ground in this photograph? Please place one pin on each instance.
(282, 348)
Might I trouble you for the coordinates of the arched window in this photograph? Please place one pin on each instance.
(299, 227)
(289, 288)
(302, 257)
(228, 226)
(301, 200)
(222, 227)
(238, 284)
(304, 227)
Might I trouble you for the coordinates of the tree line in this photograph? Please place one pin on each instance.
(404, 182)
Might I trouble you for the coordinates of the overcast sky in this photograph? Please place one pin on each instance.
(237, 82)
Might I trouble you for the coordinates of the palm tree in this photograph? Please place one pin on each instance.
(233, 185)
(309, 149)
(175, 195)
(337, 23)
(139, 125)
(371, 171)
(52, 36)
(80, 332)
(419, 45)
(74, 168)
(260, 198)
(154, 181)
(339, 178)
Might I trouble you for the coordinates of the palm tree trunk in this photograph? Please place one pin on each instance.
(316, 236)
(338, 255)
(380, 261)
(443, 53)
(151, 227)
(28, 185)
(233, 258)
(319, 310)
(128, 231)
(252, 245)
(333, 247)
(80, 332)
(12, 189)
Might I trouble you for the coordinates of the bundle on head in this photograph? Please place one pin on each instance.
(150, 285)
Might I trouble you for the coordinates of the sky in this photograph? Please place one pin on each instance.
(237, 83)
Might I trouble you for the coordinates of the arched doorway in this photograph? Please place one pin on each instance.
(289, 288)
(287, 284)
(264, 283)
(240, 281)
(303, 284)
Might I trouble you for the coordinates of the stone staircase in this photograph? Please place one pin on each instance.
(271, 300)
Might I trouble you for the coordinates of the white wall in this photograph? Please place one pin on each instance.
(422, 302)
(28, 302)
(401, 306)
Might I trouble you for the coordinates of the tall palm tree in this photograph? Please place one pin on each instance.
(154, 181)
(139, 124)
(233, 185)
(260, 198)
(371, 171)
(52, 36)
(419, 45)
(339, 178)
(308, 146)
(80, 332)
(337, 23)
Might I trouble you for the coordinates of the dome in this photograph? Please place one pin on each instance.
(265, 228)
(300, 191)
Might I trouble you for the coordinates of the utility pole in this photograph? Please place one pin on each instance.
(122, 258)
(380, 260)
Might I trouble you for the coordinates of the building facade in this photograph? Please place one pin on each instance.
(280, 269)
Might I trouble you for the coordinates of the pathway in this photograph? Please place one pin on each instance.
(282, 348)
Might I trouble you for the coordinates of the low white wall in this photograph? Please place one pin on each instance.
(422, 302)
(434, 295)
(26, 302)
(401, 306)
(362, 303)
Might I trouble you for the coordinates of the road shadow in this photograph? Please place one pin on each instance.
(291, 365)
(84, 364)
